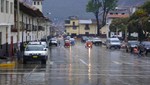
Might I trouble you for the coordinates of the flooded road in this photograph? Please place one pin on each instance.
(78, 65)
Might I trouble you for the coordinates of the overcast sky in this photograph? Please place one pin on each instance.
(62, 9)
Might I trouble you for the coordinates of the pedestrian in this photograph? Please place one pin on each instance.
(142, 50)
(135, 50)
(59, 43)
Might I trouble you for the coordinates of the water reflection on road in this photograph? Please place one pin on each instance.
(78, 65)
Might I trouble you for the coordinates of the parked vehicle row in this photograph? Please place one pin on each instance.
(130, 45)
(113, 43)
(94, 40)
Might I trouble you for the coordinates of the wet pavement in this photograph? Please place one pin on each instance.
(78, 65)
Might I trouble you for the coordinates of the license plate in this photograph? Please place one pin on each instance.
(35, 56)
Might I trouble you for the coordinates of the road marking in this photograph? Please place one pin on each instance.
(84, 62)
(26, 77)
(116, 62)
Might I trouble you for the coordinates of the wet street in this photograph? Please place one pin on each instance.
(78, 65)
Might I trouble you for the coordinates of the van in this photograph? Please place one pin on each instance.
(113, 42)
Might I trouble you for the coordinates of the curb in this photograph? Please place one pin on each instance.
(8, 64)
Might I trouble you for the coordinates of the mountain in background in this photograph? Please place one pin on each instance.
(59, 10)
(62, 9)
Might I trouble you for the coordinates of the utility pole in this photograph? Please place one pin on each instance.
(37, 29)
(18, 26)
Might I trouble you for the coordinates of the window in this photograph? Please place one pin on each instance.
(74, 27)
(87, 27)
(67, 21)
(34, 3)
(7, 6)
(2, 5)
(11, 8)
(123, 13)
(73, 23)
(86, 33)
(38, 3)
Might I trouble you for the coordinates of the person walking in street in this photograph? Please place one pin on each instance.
(59, 42)
(142, 50)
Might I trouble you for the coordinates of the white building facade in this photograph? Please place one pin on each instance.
(32, 25)
(6, 22)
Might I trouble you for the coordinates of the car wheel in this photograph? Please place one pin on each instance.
(43, 61)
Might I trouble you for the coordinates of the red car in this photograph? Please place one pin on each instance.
(67, 43)
(88, 44)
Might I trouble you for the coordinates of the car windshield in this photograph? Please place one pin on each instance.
(115, 41)
(133, 42)
(35, 48)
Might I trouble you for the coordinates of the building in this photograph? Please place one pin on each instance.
(6, 23)
(33, 25)
(113, 14)
(77, 27)
(37, 4)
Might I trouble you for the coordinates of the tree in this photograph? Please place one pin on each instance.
(138, 21)
(107, 5)
(119, 24)
(146, 7)
(93, 6)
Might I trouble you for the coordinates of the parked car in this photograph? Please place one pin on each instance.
(97, 41)
(44, 43)
(84, 38)
(53, 41)
(35, 53)
(113, 43)
(131, 44)
(146, 45)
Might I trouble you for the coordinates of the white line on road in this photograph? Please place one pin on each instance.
(84, 62)
(116, 62)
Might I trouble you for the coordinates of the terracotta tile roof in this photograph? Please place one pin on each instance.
(118, 16)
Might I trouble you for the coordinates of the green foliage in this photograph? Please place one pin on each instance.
(119, 24)
(139, 21)
(93, 6)
(146, 7)
(138, 14)
(107, 6)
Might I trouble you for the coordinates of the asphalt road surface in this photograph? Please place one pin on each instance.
(78, 65)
